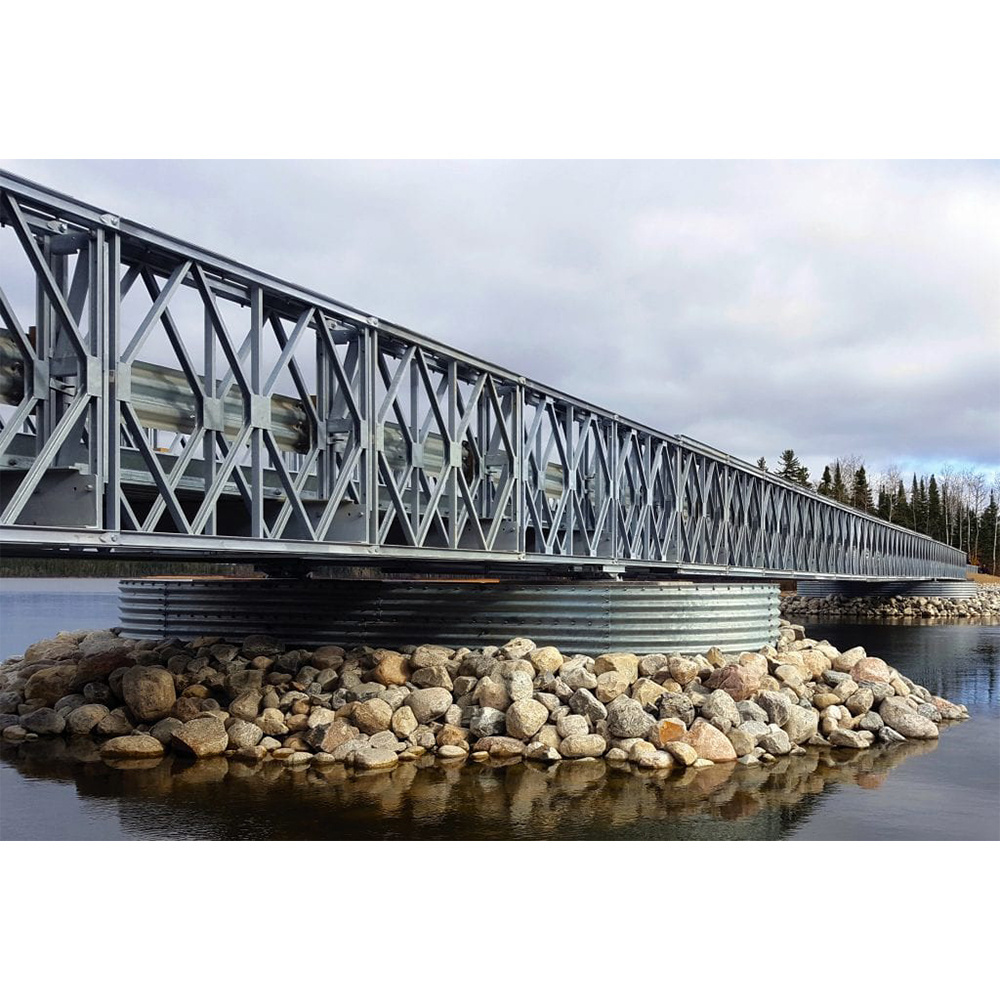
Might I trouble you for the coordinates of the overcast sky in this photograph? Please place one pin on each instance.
(833, 308)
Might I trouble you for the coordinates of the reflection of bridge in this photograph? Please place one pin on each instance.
(158, 400)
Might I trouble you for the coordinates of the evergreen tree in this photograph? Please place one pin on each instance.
(792, 469)
(935, 525)
(762, 464)
(840, 493)
(825, 488)
(901, 515)
(914, 504)
(884, 509)
(920, 505)
(861, 495)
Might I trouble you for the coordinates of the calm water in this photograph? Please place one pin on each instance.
(946, 789)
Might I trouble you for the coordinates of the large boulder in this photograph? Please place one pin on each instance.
(46, 722)
(677, 706)
(853, 739)
(486, 721)
(102, 641)
(626, 664)
(741, 680)
(500, 746)
(243, 681)
(435, 675)
(244, 734)
(611, 685)
(720, 709)
(59, 648)
(138, 745)
(525, 717)
(847, 659)
(627, 717)
(429, 704)
(870, 668)
(403, 722)
(391, 668)
(329, 736)
(203, 737)
(149, 693)
(898, 714)
(82, 720)
(584, 745)
(51, 683)
(582, 702)
(372, 716)
(802, 724)
(776, 705)
(708, 741)
(374, 759)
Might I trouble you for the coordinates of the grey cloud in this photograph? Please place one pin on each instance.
(844, 307)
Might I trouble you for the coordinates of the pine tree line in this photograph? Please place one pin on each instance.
(959, 509)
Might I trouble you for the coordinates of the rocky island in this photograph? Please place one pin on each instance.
(372, 708)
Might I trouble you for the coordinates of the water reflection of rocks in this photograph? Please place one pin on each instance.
(430, 799)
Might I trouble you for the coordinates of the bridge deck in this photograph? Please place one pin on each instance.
(158, 400)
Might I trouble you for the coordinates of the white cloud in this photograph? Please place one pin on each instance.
(844, 307)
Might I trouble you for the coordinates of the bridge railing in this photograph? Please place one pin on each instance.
(159, 399)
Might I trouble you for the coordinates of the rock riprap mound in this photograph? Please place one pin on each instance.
(985, 603)
(370, 708)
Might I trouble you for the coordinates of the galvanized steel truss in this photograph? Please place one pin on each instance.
(285, 424)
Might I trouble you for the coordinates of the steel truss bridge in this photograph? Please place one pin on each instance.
(161, 401)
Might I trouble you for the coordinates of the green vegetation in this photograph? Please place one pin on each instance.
(958, 508)
(14, 567)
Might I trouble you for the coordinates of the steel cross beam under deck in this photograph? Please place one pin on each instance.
(159, 400)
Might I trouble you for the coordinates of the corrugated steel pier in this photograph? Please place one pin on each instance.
(578, 617)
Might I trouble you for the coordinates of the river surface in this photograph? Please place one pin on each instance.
(938, 790)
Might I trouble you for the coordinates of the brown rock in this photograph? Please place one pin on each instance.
(139, 745)
(51, 649)
(583, 745)
(611, 685)
(391, 668)
(186, 709)
(740, 680)
(870, 668)
(898, 714)
(100, 666)
(149, 693)
(500, 746)
(50, 684)
(372, 716)
(452, 736)
(547, 658)
(626, 664)
(708, 742)
(115, 723)
(666, 731)
(204, 737)
(646, 692)
(327, 737)
(82, 720)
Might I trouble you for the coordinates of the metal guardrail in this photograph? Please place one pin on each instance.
(324, 433)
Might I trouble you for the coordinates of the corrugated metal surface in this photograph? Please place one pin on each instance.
(586, 617)
(927, 588)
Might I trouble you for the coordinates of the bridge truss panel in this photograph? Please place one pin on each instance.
(159, 399)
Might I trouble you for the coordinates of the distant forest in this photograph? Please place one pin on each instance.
(114, 568)
(958, 507)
